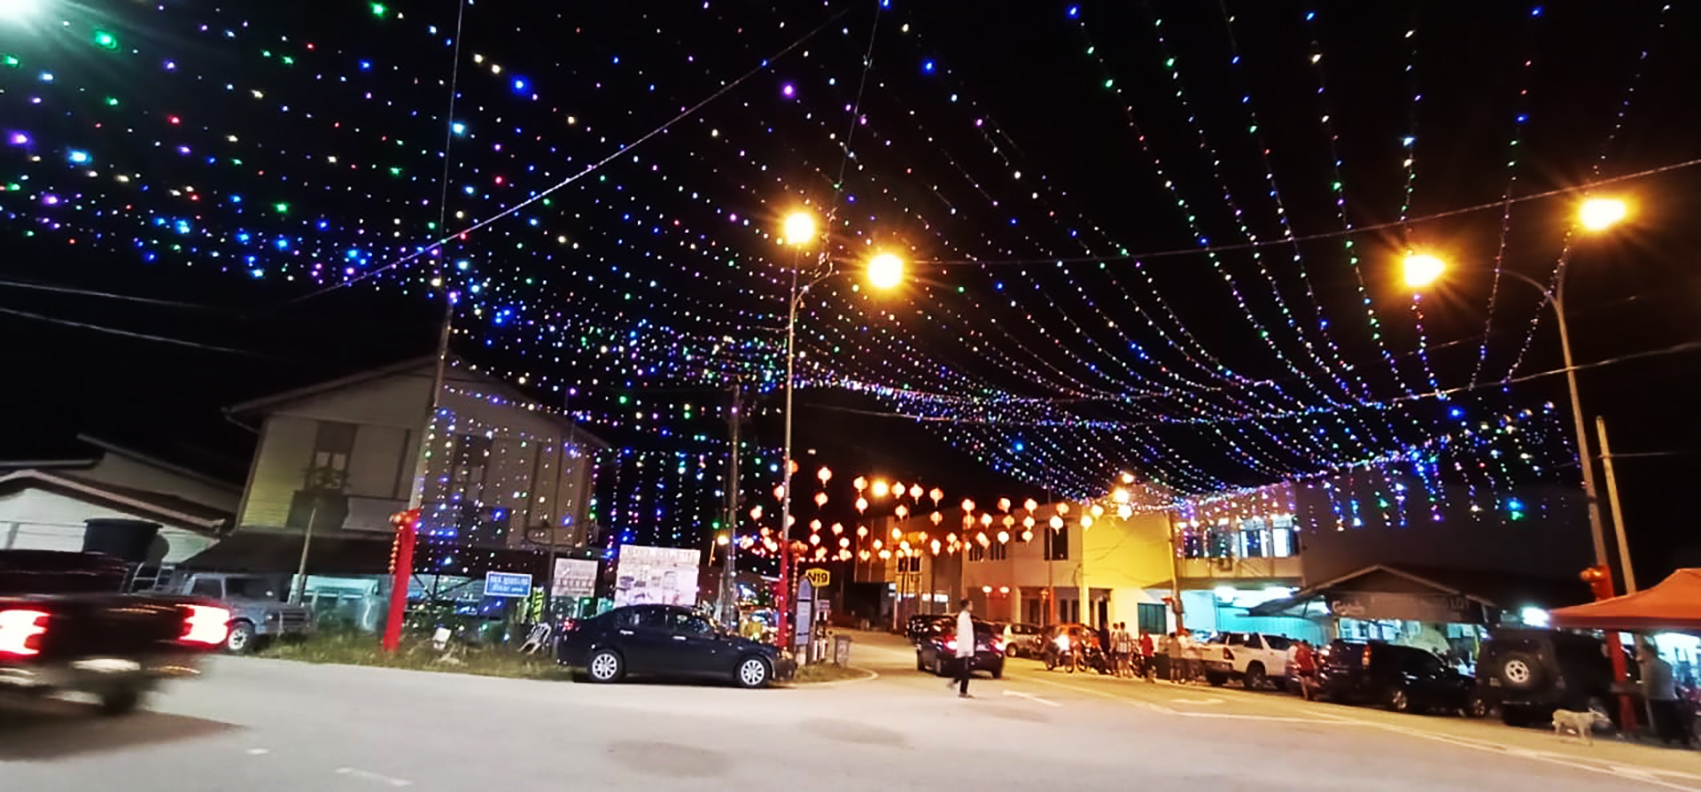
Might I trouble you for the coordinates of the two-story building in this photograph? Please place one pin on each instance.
(505, 482)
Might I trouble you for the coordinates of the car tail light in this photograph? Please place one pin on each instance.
(205, 624)
(951, 644)
(998, 646)
(569, 625)
(21, 631)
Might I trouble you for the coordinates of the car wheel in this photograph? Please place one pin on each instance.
(1050, 662)
(605, 666)
(1519, 671)
(1475, 707)
(753, 672)
(120, 701)
(998, 671)
(241, 638)
(938, 666)
(1254, 678)
(1398, 701)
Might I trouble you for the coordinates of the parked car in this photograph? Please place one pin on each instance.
(1401, 678)
(1020, 640)
(937, 649)
(258, 610)
(1060, 639)
(65, 627)
(1529, 673)
(1251, 658)
(919, 625)
(666, 641)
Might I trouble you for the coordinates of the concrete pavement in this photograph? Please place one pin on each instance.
(269, 725)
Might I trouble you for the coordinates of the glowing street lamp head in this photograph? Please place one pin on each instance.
(885, 271)
(798, 230)
(1422, 269)
(1600, 214)
(17, 9)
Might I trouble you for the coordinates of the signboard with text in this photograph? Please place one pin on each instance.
(1369, 605)
(574, 577)
(507, 584)
(656, 575)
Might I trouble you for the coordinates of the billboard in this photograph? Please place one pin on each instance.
(656, 575)
(575, 578)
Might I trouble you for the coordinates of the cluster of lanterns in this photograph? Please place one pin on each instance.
(1006, 522)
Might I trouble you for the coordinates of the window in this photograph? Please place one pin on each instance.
(1057, 545)
(472, 452)
(976, 552)
(1151, 617)
(332, 445)
(999, 551)
(208, 587)
(650, 619)
(1279, 643)
(687, 623)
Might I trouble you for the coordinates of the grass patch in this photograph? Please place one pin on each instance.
(354, 648)
(826, 672)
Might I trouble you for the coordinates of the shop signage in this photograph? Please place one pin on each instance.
(1368, 605)
(818, 577)
(575, 577)
(507, 584)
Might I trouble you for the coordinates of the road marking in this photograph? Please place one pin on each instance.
(258, 751)
(1197, 701)
(367, 775)
(1032, 697)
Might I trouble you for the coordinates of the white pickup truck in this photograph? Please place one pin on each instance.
(1252, 658)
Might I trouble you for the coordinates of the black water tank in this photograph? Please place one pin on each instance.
(126, 539)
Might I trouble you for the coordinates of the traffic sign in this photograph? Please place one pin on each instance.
(507, 584)
(818, 577)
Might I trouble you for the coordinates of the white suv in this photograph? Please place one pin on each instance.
(1252, 658)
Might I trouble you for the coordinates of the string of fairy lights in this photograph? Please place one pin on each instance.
(452, 164)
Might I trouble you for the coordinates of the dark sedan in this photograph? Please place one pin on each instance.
(666, 641)
(936, 650)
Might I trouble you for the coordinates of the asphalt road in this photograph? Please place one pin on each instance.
(268, 725)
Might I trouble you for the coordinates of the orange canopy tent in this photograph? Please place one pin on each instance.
(1674, 605)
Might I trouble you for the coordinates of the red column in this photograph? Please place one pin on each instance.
(401, 570)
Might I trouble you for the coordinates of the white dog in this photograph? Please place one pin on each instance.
(1581, 723)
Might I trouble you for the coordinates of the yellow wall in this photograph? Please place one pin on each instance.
(1128, 557)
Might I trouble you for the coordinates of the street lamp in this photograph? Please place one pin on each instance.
(885, 271)
(17, 9)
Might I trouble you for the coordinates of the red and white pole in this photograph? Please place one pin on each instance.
(401, 572)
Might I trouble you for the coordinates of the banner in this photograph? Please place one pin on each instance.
(574, 577)
(656, 575)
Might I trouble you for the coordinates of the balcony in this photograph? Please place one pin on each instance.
(1284, 569)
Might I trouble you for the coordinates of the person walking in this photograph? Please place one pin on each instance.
(1304, 668)
(965, 665)
(1148, 664)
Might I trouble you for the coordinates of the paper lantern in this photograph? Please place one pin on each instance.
(968, 505)
(1008, 521)
(861, 505)
(838, 528)
(756, 512)
(825, 475)
(1004, 504)
(936, 547)
(902, 511)
(815, 525)
(937, 495)
(898, 489)
(1027, 536)
(1030, 504)
(1003, 537)
(936, 517)
(915, 491)
(1028, 522)
(860, 483)
(862, 532)
(780, 492)
(1056, 522)
(1062, 507)
(1086, 521)
(986, 519)
(820, 499)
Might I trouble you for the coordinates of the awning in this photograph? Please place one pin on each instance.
(1425, 594)
(1673, 605)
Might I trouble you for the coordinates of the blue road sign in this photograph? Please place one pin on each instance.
(507, 584)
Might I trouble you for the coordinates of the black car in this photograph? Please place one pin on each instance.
(1401, 678)
(666, 641)
(936, 651)
(1529, 673)
(920, 625)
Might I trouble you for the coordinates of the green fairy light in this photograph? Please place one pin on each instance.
(105, 40)
(380, 10)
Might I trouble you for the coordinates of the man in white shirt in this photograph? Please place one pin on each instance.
(965, 665)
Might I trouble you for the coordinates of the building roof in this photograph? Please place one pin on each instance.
(457, 370)
(338, 553)
(86, 451)
(1492, 589)
(167, 510)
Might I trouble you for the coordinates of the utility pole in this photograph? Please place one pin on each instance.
(729, 572)
(1612, 502)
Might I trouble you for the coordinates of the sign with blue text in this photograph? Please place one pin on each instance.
(507, 584)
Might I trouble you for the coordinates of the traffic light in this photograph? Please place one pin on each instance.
(1599, 578)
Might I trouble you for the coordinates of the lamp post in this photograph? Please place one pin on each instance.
(1593, 215)
(885, 271)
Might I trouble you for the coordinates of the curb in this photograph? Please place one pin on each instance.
(871, 675)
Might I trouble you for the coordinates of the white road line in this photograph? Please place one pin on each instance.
(367, 775)
(1197, 701)
(1032, 697)
(258, 751)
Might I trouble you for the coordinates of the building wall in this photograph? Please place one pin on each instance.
(1345, 529)
(526, 474)
(1125, 560)
(34, 519)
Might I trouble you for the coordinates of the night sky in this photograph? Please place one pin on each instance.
(1161, 237)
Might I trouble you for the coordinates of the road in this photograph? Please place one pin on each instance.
(261, 725)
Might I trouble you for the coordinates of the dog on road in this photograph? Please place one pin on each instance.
(1582, 723)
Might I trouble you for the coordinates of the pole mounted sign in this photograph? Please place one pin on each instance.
(818, 577)
(507, 584)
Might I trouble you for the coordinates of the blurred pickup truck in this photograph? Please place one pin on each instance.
(66, 627)
(256, 603)
(1252, 658)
